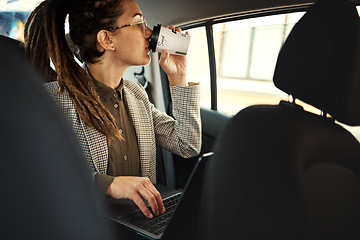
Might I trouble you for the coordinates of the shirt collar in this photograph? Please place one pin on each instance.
(105, 92)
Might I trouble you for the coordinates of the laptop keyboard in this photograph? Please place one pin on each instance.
(157, 224)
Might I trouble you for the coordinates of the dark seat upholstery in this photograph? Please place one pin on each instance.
(13, 44)
(285, 173)
(46, 189)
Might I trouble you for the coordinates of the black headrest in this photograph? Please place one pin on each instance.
(320, 60)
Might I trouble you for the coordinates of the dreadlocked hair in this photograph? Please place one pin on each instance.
(45, 40)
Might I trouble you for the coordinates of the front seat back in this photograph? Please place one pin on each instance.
(46, 188)
(280, 172)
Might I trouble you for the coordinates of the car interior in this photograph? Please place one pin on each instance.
(296, 174)
(47, 191)
(279, 103)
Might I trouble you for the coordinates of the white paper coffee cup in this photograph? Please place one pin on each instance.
(165, 38)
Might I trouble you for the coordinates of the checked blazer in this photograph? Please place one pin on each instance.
(180, 135)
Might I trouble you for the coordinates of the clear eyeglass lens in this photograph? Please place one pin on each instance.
(144, 26)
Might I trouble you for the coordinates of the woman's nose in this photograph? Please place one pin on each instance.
(148, 32)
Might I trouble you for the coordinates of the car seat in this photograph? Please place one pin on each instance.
(281, 172)
(12, 43)
(46, 188)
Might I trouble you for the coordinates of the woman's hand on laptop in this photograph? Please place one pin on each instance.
(134, 188)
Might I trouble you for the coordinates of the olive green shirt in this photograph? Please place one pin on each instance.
(124, 159)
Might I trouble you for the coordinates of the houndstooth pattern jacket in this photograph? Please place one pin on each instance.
(181, 136)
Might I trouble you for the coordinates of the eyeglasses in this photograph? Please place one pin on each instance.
(142, 24)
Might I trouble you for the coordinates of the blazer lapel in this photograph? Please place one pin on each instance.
(144, 129)
(98, 149)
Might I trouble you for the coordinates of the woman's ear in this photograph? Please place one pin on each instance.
(105, 40)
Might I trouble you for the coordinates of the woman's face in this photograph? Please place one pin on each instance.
(131, 46)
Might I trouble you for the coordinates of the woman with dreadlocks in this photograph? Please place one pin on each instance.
(116, 125)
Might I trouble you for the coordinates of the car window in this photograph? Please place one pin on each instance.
(245, 54)
(13, 15)
(198, 64)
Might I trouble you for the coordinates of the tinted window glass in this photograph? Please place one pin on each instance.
(246, 54)
(198, 64)
(13, 14)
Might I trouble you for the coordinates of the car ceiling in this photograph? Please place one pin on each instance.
(180, 12)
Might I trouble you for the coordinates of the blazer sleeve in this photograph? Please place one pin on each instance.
(181, 134)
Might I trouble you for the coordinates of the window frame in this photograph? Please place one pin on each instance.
(208, 24)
